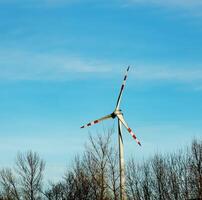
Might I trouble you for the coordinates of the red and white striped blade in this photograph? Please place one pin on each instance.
(97, 121)
(120, 117)
(122, 87)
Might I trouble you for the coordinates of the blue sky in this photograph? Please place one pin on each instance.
(62, 64)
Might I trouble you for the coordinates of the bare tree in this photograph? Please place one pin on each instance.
(9, 185)
(30, 170)
(78, 182)
(93, 176)
(133, 180)
(113, 173)
(146, 180)
(196, 169)
(96, 165)
(160, 178)
(55, 192)
(174, 176)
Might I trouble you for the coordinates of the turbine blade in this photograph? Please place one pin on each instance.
(97, 121)
(120, 117)
(122, 87)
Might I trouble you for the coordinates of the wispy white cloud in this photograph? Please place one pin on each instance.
(20, 65)
(198, 88)
(170, 3)
(35, 1)
(168, 73)
(178, 3)
(188, 7)
(41, 2)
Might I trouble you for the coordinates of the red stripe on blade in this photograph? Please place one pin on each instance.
(134, 137)
(129, 130)
(82, 127)
(96, 121)
(89, 124)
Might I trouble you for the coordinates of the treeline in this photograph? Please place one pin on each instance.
(95, 176)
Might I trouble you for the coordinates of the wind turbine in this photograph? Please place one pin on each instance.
(119, 115)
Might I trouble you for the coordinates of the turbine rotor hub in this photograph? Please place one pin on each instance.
(116, 112)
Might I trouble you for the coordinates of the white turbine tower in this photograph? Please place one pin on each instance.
(117, 113)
